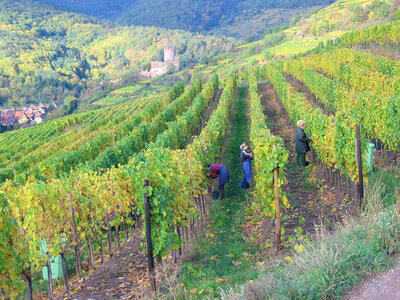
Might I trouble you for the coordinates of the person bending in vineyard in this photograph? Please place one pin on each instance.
(218, 170)
(302, 144)
(246, 159)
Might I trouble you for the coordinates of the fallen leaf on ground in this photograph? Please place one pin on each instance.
(214, 257)
(260, 263)
(288, 258)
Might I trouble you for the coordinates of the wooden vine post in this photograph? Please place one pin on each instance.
(28, 276)
(150, 257)
(76, 239)
(49, 275)
(277, 208)
(64, 272)
(360, 183)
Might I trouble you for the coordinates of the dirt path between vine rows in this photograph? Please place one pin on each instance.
(382, 287)
(220, 257)
(211, 107)
(124, 276)
(308, 195)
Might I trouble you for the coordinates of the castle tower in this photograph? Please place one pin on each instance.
(169, 54)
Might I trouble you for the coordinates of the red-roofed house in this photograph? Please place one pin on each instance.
(7, 120)
(21, 117)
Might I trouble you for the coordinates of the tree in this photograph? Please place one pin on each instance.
(359, 13)
(70, 105)
(204, 60)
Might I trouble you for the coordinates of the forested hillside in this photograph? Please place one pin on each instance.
(47, 54)
(193, 15)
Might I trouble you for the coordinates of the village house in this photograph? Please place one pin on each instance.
(25, 117)
(7, 119)
(20, 117)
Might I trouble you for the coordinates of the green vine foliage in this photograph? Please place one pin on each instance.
(333, 136)
(378, 114)
(39, 209)
(13, 254)
(269, 151)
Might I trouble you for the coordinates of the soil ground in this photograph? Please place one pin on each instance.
(211, 107)
(312, 202)
(124, 276)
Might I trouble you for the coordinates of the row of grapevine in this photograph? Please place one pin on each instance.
(177, 177)
(30, 145)
(333, 136)
(140, 136)
(116, 120)
(77, 207)
(367, 61)
(181, 130)
(270, 153)
(378, 115)
(19, 142)
(13, 255)
(31, 137)
(100, 150)
(380, 34)
(355, 77)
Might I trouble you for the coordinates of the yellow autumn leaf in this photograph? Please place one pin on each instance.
(299, 248)
(288, 259)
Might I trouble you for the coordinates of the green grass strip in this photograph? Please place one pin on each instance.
(222, 257)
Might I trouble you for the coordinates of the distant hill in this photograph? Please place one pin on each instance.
(315, 29)
(193, 15)
(47, 53)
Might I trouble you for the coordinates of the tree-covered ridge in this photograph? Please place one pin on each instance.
(193, 15)
(50, 54)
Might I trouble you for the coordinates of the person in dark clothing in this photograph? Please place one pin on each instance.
(218, 170)
(246, 159)
(302, 144)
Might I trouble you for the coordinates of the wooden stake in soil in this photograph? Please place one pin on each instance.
(90, 247)
(178, 229)
(100, 240)
(109, 238)
(65, 272)
(28, 276)
(277, 209)
(50, 280)
(76, 239)
(360, 183)
(117, 237)
(150, 257)
(125, 229)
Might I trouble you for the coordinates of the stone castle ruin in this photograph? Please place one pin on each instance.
(171, 61)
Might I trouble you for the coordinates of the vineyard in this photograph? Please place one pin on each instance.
(85, 175)
(89, 185)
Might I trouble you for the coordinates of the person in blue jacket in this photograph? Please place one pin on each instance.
(218, 170)
(246, 159)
